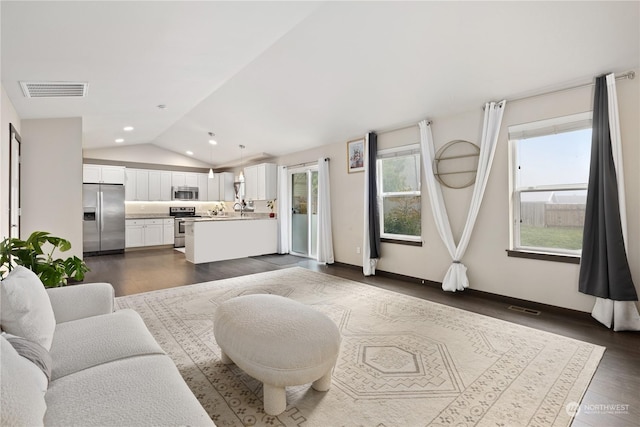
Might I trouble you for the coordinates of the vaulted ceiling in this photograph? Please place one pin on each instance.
(280, 77)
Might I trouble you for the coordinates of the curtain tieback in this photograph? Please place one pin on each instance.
(455, 261)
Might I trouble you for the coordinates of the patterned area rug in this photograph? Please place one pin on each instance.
(403, 361)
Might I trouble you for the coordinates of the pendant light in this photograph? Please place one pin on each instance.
(241, 176)
(212, 142)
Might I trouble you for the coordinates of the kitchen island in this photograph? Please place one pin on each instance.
(223, 238)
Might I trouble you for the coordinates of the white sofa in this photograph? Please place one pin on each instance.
(105, 367)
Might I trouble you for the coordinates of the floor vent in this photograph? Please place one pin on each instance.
(54, 89)
(524, 310)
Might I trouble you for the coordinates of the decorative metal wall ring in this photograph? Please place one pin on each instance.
(468, 150)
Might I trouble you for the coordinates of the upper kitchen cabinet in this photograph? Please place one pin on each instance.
(136, 186)
(203, 186)
(159, 185)
(184, 179)
(103, 174)
(260, 182)
(220, 187)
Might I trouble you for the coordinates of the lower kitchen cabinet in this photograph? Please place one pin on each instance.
(146, 232)
(168, 231)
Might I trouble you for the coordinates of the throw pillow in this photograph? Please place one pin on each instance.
(25, 308)
(23, 402)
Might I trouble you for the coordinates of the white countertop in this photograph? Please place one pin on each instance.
(226, 218)
(148, 216)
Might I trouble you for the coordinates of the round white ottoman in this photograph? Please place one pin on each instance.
(278, 341)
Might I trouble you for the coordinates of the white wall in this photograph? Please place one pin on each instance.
(7, 115)
(143, 153)
(490, 269)
(52, 179)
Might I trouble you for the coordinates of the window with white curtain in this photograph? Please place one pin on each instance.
(549, 174)
(399, 199)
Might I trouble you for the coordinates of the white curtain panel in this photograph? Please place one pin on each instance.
(622, 314)
(325, 238)
(456, 277)
(368, 264)
(283, 210)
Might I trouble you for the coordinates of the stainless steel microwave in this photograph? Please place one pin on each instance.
(184, 193)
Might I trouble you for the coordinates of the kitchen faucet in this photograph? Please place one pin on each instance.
(242, 205)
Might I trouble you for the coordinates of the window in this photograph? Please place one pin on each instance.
(549, 174)
(399, 201)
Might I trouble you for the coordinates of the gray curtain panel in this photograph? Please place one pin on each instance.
(374, 218)
(604, 269)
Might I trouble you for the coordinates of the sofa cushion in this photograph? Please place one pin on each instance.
(81, 344)
(138, 391)
(25, 309)
(21, 394)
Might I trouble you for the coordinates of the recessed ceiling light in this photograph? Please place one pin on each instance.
(127, 128)
(190, 153)
(119, 140)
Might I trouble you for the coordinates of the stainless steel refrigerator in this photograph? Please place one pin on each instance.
(103, 226)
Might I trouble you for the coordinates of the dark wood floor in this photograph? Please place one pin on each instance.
(613, 397)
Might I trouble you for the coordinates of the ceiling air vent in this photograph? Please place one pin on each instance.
(54, 89)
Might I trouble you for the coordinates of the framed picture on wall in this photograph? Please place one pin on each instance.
(355, 155)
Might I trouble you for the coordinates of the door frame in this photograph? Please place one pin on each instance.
(15, 142)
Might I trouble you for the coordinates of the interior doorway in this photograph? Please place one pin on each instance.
(14, 182)
(304, 211)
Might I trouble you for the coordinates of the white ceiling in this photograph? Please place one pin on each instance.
(281, 77)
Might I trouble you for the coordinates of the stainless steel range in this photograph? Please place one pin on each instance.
(180, 213)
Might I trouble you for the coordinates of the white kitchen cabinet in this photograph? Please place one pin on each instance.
(260, 182)
(134, 233)
(168, 231)
(227, 192)
(213, 188)
(91, 174)
(191, 179)
(153, 229)
(145, 232)
(103, 174)
(251, 183)
(178, 179)
(220, 188)
(136, 186)
(184, 179)
(142, 185)
(159, 185)
(130, 184)
(203, 187)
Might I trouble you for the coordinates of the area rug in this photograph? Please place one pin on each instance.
(403, 361)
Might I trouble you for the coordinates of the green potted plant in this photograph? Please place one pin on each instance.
(30, 254)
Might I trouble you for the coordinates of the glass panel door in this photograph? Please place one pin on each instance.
(304, 212)
(313, 226)
(299, 213)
